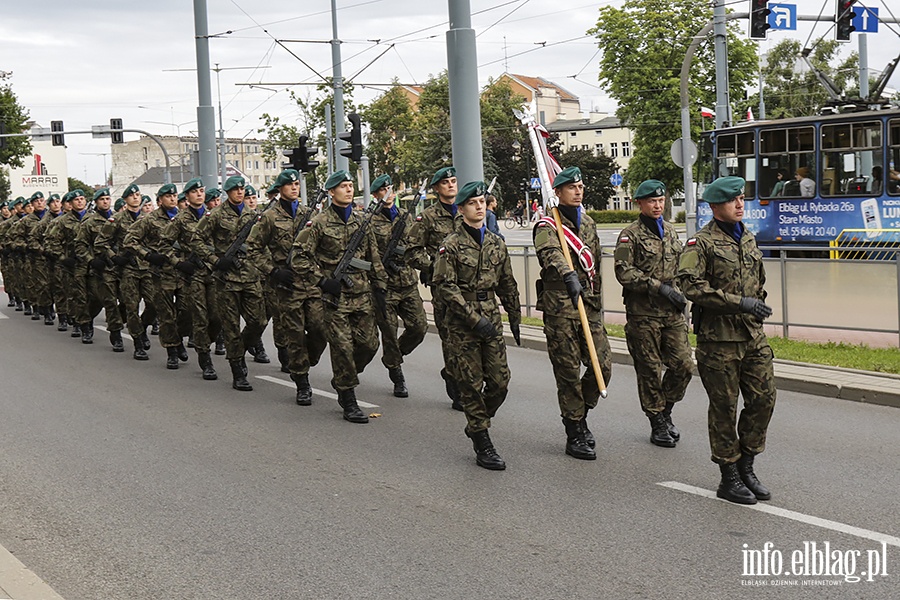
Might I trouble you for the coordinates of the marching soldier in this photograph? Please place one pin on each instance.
(349, 311)
(471, 271)
(391, 227)
(37, 244)
(298, 314)
(16, 242)
(35, 266)
(721, 272)
(61, 244)
(646, 263)
(57, 291)
(558, 293)
(238, 289)
(425, 237)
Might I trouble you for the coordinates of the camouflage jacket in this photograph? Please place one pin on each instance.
(643, 263)
(91, 226)
(427, 234)
(272, 238)
(320, 246)
(60, 242)
(110, 241)
(4, 231)
(214, 235)
(146, 237)
(24, 232)
(383, 228)
(178, 238)
(715, 272)
(554, 299)
(39, 234)
(470, 277)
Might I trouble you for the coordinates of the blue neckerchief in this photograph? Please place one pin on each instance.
(172, 212)
(390, 213)
(80, 214)
(572, 213)
(344, 213)
(290, 207)
(134, 215)
(104, 213)
(654, 225)
(40, 213)
(477, 234)
(198, 212)
(238, 208)
(450, 208)
(735, 230)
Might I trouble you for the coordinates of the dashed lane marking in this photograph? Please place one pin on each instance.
(318, 392)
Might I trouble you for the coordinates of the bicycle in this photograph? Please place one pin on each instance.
(512, 221)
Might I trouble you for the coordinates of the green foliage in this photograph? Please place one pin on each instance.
(681, 217)
(15, 118)
(4, 184)
(643, 45)
(596, 171)
(389, 118)
(500, 129)
(613, 216)
(77, 184)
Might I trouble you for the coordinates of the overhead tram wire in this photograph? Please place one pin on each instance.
(315, 14)
(543, 45)
(501, 19)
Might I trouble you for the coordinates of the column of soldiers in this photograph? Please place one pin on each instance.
(331, 276)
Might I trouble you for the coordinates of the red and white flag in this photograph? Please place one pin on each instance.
(750, 114)
(707, 112)
(553, 167)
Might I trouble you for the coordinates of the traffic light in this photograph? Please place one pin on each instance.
(759, 19)
(57, 139)
(354, 138)
(117, 136)
(844, 16)
(307, 165)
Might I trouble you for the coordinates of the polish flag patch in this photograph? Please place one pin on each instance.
(691, 242)
(624, 239)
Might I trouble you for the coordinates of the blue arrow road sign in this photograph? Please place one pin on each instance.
(783, 17)
(535, 183)
(866, 19)
(615, 179)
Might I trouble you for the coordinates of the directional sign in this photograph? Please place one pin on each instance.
(535, 183)
(783, 17)
(866, 20)
(615, 179)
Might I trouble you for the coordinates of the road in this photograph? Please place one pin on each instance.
(122, 480)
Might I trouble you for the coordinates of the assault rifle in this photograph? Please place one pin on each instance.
(237, 246)
(393, 248)
(349, 258)
(316, 204)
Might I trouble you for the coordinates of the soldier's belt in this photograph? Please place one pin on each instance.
(479, 295)
(360, 264)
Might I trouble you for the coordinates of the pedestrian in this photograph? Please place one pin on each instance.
(473, 270)
(721, 271)
(490, 217)
(559, 290)
(646, 262)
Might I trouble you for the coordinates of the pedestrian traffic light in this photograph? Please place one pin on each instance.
(353, 138)
(307, 165)
(759, 19)
(844, 15)
(57, 139)
(117, 136)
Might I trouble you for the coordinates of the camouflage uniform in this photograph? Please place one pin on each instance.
(656, 331)
(403, 293)
(48, 290)
(73, 276)
(37, 282)
(99, 290)
(469, 278)
(54, 271)
(20, 260)
(350, 326)
(733, 354)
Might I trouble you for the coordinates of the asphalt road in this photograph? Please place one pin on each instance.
(122, 480)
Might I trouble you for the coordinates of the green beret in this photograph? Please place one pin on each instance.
(145, 199)
(131, 189)
(380, 182)
(285, 177)
(337, 178)
(181, 197)
(67, 197)
(53, 197)
(194, 184)
(17, 201)
(723, 189)
(212, 194)
(445, 173)
(76, 193)
(119, 204)
(235, 181)
(652, 188)
(249, 190)
(37, 195)
(570, 175)
(473, 189)
(272, 189)
(100, 192)
(26, 201)
(168, 188)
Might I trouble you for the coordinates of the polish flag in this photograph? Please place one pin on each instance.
(707, 112)
(750, 114)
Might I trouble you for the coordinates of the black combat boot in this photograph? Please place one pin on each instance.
(673, 431)
(139, 352)
(452, 390)
(181, 351)
(283, 359)
(244, 368)
(659, 430)
(732, 488)
(485, 454)
(63, 323)
(239, 377)
(748, 477)
(396, 375)
(145, 340)
(28, 311)
(172, 357)
(190, 343)
(76, 330)
(37, 311)
(115, 338)
(576, 445)
(12, 301)
(220, 345)
(304, 390)
(352, 412)
(154, 328)
(258, 352)
(49, 319)
(205, 360)
(19, 305)
(588, 436)
(87, 333)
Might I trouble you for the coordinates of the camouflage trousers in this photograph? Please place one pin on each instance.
(163, 287)
(272, 310)
(57, 295)
(352, 338)
(568, 352)
(101, 294)
(439, 311)
(75, 284)
(235, 301)
(135, 286)
(405, 304)
(201, 303)
(300, 323)
(11, 278)
(654, 343)
(481, 371)
(728, 369)
(38, 281)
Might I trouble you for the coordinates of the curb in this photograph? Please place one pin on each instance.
(19, 583)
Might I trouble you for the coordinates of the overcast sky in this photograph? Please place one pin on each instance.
(85, 62)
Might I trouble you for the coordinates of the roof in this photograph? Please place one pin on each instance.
(536, 83)
(583, 124)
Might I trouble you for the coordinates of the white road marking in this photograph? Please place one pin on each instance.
(124, 333)
(789, 514)
(331, 395)
(3, 316)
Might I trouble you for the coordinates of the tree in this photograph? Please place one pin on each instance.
(643, 44)
(4, 184)
(595, 171)
(390, 118)
(15, 118)
(501, 131)
(77, 184)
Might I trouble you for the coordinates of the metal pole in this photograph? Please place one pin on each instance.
(329, 142)
(527, 284)
(364, 167)
(340, 161)
(784, 294)
(222, 168)
(863, 65)
(723, 102)
(303, 189)
(763, 62)
(206, 120)
(465, 110)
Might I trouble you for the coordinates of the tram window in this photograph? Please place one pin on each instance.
(736, 155)
(893, 171)
(782, 152)
(852, 159)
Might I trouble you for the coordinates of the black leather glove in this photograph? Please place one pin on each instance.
(573, 287)
(68, 262)
(186, 267)
(120, 261)
(224, 264)
(380, 297)
(282, 276)
(156, 259)
(756, 307)
(425, 276)
(672, 295)
(330, 286)
(98, 265)
(514, 327)
(486, 329)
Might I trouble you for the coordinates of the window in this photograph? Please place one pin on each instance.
(781, 151)
(249, 164)
(626, 149)
(585, 147)
(851, 158)
(256, 164)
(145, 152)
(598, 149)
(598, 132)
(893, 176)
(613, 149)
(573, 133)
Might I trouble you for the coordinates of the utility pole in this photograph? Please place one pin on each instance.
(329, 142)
(723, 100)
(223, 169)
(465, 110)
(763, 63)
(206, 119)
(340, 161)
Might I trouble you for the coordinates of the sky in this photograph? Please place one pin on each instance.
(86, 62)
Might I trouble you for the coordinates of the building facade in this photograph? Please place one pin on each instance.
(45, 170)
